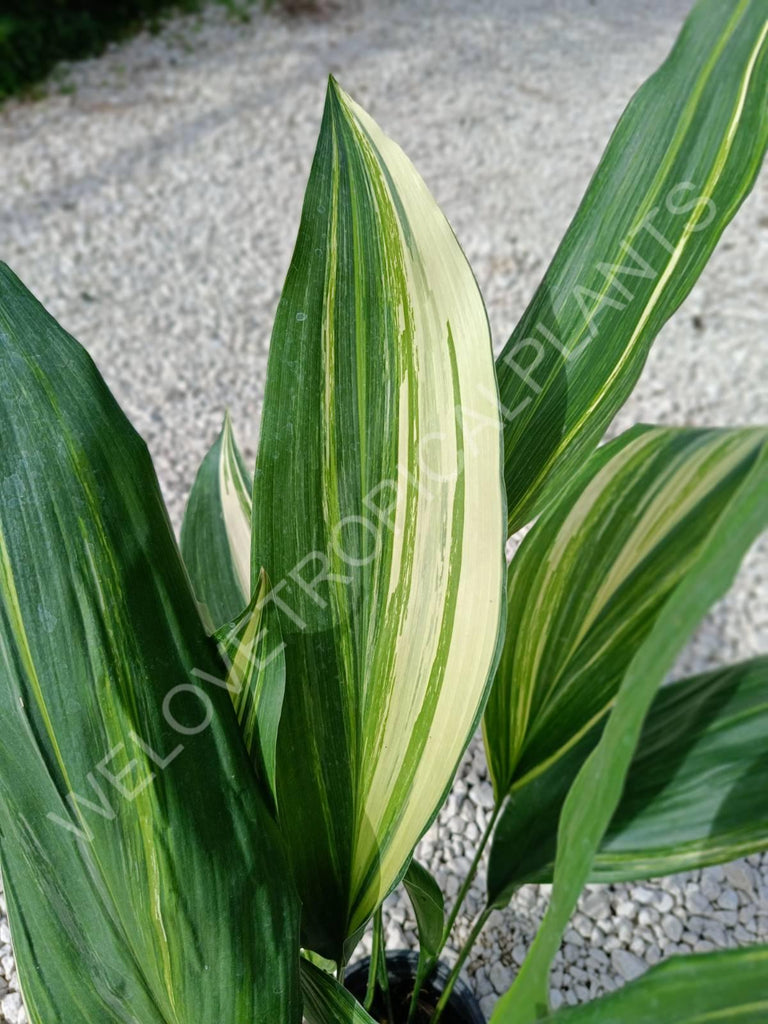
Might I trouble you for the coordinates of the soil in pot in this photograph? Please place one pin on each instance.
(462, 1007)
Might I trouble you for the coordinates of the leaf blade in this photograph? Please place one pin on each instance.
(685, 803)
(637, 244)
(723, 986)
(382, 326)
(328, 1002)
(216, 532)
(428, 905)
(591, 578)
(595, 794)
(255, 654)
(99, 643)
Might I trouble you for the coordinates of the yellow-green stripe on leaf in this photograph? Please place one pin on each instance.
(254, 649)
(685, 803)
(216, 533)
(145, 878)
(695, 792)
(681, 160)
(378, 515)
(328, 1002)
(591, 578)
(596, 792)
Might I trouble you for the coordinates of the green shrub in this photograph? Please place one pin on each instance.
(35, 35)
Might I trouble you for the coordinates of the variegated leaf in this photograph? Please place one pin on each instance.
(596, 792)
(216, 533)
(728, 987)
(145, 878)
(694, 795)
(328, 1002)
(378, 514)
(254, 648)
(679, 164)
(592, 576)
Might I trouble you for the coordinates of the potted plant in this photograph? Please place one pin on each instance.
(216, 763)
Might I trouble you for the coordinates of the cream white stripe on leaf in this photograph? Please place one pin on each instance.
(637, 244)
(235, 488)
(378, 504)
(595, 794)
(130, 817)
(216, 533)
(590, 579)
(254, 650)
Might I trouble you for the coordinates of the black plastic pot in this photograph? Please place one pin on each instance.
(462, 1007)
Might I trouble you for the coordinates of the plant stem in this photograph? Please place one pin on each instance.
(373, 966)
(378, 972)
(453, 977)
(471, 874)
(424, 967)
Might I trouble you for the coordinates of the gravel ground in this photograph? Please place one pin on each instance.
(152, 199)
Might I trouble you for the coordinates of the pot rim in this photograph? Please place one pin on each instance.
(463, 999)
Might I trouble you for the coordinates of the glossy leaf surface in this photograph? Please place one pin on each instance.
(591, 579)
(727, 987)
(378, 515)
(679, 164)
(145, 879)
(428, 905)
(596, 792)
(694, 795)
(328, 1002)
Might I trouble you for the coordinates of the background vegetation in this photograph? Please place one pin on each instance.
(36, 34)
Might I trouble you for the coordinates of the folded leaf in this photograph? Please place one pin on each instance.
(595, 795)
(428, 906)
(679, 164)
(328, 1002)
(729, 987)
(378, 514)
(254, 649)
(145, 879)
(216, 532)
(694, 795)
(591, 579)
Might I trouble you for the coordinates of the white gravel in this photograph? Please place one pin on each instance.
(154, 209)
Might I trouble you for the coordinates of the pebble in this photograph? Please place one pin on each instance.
(627, 964)
(672, 927)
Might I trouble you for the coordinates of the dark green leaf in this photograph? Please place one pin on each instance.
(596, 792)
(146, 881)
(428, 905)
(694, 795)
(328, 1002)
(679, 164)
(729, 988)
